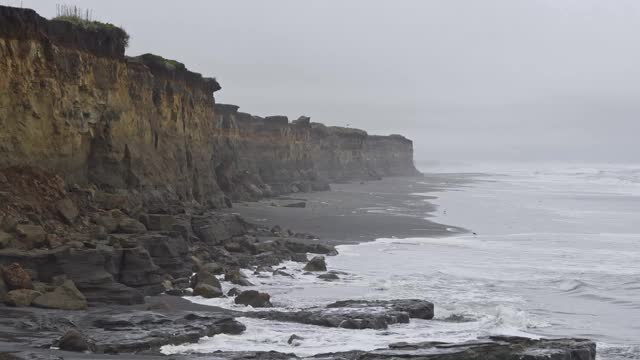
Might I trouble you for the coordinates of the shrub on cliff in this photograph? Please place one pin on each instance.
(84, 18)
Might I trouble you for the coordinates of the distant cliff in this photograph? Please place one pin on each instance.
(73, 104)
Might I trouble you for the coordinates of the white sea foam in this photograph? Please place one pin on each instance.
(555, 255)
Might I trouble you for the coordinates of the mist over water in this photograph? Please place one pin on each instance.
(554, 255)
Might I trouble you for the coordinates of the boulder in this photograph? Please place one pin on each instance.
(15, 277)
(416, 308)
(338, 318)
(67, 210)
(5, 239)
(253, 298)
(298, 245)
(294, 339)
(236, 277)
(74, 340)
(205, 278)
(207, 291)
(64, 297)
(31, 236)
(21, 297)
(234, 292)
(130, 226)
(328, 277)
(316, 264)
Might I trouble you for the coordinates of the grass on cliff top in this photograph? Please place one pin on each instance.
(168, 63)
(84, 19)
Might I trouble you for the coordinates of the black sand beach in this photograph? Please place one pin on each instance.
(359, 212)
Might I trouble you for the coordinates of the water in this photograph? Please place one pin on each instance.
(555, 254)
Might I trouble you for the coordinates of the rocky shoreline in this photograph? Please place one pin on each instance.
(126, 288)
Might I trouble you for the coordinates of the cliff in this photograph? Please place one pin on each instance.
(71, 103)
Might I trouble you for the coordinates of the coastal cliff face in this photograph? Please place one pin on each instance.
(71, 103)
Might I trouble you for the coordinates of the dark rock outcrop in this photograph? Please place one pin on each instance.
(253, 298)
(316, 264)
(74, 340)
(420, 309)
(338, 318)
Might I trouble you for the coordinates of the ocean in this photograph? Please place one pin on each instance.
(552, 251)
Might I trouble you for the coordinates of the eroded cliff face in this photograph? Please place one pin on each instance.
(81, 109)
(265, 156)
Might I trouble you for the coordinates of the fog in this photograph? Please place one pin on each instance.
(513, 80)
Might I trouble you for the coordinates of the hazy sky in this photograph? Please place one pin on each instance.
(466, 80)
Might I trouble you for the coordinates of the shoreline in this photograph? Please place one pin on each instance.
(348, 202)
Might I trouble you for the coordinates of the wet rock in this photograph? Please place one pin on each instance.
(15, 277)
(240, 245)
(206, 278)
(234, 292)
(178, 292)
(235, 276)
(67, 210)
(328, 277)
(118, 331)
(74, 340)
(279, 272)
(338, 318)
(420, 309)
(317, 263)
(300, 204)
(31, 236)
(65, 297)
(21, 297)
(294, 338)
(253, 298)
(130, 226)
(309, 246)
(207, 291)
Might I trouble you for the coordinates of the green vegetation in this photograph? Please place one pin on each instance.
(84, 18)
(159, 60)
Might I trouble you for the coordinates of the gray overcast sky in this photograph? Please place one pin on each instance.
(466, 80)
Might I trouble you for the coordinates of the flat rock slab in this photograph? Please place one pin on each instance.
(416, 308)
(115, 329)
(494, 348)
(338, 318)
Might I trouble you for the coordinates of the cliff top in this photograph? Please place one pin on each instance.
(160, 66)
(101, 39)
